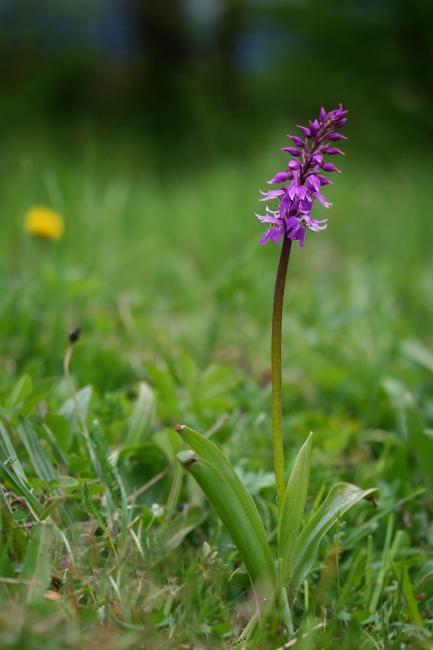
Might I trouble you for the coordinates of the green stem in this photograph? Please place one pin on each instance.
(277, 417)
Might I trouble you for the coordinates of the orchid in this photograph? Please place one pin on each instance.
(275, 580)
(303, 179)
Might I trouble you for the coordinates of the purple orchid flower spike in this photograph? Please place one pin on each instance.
(302, 180)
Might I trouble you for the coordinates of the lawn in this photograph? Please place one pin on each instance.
(106, 541)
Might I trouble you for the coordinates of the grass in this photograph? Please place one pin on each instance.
(105, 541)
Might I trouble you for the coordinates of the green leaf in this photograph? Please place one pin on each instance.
(210, 391)
(20, 391)
(165, 387)
(210, 452)
(293, 507)
(69, 408)
(168, 442)
(169, 536)
(9, 452)
(55, 504)
(416, 352)
(79, 465)
(39, 457)
(21, 488)
(419, 440)
(63, 482)
(402, 575)
(238, 513)
(58, 454)
(37, 564)
(37, 484)
(385, 508)
(142, 416)
(94, 487)
(40, 391)
(410, 423)
(60, 427)
(188, 371)
(340, 498)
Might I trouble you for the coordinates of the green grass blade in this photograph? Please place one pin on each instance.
(55, 504)
(410, 423)
(40, 460)
(39, 392)
(9, 452)
(171, 534)
(402, 575)
(169, 443)
(37, 564)
(20, 391)
(419, 440)
(417, 353)
(355, 536)
(233, 505)
(21, 488)
(141, 418)
(340, 498)
(293, 507)
(58, 454)
(69, 408)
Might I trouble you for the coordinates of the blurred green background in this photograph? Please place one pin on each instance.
(217, 73)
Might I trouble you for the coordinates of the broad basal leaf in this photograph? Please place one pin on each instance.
(232, 503)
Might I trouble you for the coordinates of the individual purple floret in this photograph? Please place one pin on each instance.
(302, 180)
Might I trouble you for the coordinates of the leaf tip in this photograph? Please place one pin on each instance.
(372, 498)
(179, 427)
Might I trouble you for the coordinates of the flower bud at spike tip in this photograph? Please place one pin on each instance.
(296, 198)
(74, 334)
(179, 427)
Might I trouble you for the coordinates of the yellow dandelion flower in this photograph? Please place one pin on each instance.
(44, 222)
